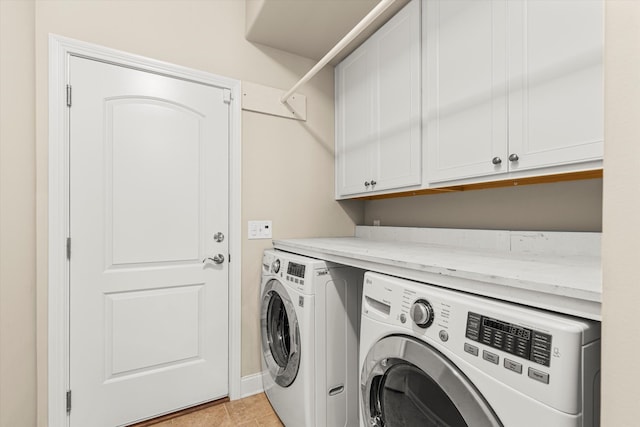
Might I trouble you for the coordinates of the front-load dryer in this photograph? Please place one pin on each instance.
(309, 316)
(435, 357)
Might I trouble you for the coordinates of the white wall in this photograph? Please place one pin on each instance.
(562, 206)
(17, 216)
(621, 219)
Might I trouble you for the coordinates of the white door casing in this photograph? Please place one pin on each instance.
(140, 281)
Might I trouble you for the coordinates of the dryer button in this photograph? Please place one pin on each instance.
(444, 336)
(513, 366)
(471, 349)
(490, 357)
(543, 377)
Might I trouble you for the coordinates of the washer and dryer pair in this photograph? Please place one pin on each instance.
(433, 357)
(310, 316)
(428, 356)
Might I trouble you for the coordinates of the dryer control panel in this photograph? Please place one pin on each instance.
(522, 342)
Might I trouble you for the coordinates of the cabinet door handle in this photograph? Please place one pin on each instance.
(496, 160)
(514, 157)
(367, 184)
(373, 182)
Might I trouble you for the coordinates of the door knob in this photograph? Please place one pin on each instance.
(496, 160)
(514, 157)
(218, 259)
(218, 237)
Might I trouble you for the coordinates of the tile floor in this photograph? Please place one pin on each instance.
(251, 411)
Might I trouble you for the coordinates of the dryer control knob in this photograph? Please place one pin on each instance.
(276, 266)
(422, 313)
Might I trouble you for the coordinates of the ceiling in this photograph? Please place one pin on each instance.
(310, 28)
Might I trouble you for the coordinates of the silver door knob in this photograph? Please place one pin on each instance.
(514, 157)
(373, 182)
(367, 184)
(496, 160)
(218, 237)
(218, 259)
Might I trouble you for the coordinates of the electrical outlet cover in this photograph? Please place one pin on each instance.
(259, 230)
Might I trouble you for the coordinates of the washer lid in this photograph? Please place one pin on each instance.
(280, 333)
(406, 382)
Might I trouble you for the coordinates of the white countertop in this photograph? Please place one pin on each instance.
(569, 282)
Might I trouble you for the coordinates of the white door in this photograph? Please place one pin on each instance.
(397, 154)
(354, 121)
(465, 101)
(556, 94)
(148, 191)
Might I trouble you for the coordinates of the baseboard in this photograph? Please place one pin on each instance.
(251, 384)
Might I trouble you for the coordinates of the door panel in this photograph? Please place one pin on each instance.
(397, 149)
(145, 228)
(465, 106)
(150, 319)
(556, 94)
(355, 100)
(148, 190)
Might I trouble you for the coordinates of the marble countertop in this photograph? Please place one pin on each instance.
(569, 283)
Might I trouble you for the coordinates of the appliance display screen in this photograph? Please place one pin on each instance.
(295, 269)
(508, 328)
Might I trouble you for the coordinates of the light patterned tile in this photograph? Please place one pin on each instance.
(270, 421)
(252, 411)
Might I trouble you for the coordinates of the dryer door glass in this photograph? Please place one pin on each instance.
(278, 330)
(406, 396)
(406, 382)
(280, 334)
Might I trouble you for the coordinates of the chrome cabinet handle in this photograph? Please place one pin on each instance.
(218, 237)
(218, 259)
(496, 160)
(367, 184)
(514, 157)
(373, 182)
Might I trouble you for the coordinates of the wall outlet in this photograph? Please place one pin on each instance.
(259, 230)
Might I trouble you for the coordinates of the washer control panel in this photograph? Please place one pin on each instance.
(522, 342)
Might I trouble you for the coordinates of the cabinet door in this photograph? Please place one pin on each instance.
(397, 151)
(354, 121)
(464, 110)
(556, 106)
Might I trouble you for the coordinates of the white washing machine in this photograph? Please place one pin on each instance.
(310, 315)
(436, 357)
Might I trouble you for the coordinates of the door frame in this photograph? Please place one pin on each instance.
(60, 49)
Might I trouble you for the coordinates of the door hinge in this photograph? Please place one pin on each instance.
(226, 96)
(69, 248)
(229, 258)
(68, 95)
(68, 401)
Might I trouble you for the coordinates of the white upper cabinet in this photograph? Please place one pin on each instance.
(511, 85)
(465, 103)
(378, 142)
(556, 86)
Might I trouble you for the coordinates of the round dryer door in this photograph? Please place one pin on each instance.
(406, 382)
(280, 334)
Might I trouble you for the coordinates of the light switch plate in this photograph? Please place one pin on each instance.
(259, 230)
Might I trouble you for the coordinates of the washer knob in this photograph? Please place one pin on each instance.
(276, 266)
(422, 313)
